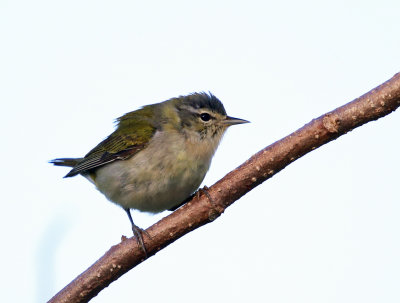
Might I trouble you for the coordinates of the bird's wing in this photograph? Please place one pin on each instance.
(118, 146)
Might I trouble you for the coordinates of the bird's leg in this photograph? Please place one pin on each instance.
(138, 232)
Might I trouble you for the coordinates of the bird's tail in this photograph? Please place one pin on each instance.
(70, 162)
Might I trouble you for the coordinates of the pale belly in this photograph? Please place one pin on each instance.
(153, 180)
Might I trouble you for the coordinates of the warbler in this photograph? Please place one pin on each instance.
(157, 156)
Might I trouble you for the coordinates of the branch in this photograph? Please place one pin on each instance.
(200, 210)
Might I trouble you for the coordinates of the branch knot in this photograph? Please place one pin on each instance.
(331, 122)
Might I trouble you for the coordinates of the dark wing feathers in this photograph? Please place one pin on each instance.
(111, 149)
(122, 144)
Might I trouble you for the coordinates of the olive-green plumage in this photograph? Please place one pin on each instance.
(133, 133)
(158, 155)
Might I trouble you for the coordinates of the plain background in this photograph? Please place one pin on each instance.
(326, 229)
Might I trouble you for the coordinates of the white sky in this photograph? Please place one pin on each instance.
(326, 229)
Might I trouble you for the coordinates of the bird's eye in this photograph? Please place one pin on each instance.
(205, 117)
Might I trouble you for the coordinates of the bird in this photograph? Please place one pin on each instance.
(157, 156)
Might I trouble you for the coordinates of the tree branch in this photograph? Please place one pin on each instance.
(200, 210)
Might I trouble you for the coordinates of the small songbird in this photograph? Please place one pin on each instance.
(157, 156)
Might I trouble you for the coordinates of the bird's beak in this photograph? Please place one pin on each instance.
(232, 121)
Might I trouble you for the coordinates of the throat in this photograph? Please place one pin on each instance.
(202, 147)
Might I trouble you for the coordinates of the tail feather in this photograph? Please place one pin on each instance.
(70, 162)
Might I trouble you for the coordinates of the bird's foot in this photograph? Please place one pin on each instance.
(214, 212)
(204, 190)
(138, 233)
